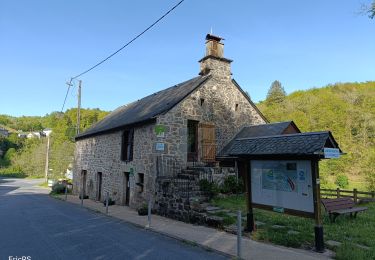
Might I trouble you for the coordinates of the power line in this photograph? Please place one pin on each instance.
(128, 43)
(67, 92)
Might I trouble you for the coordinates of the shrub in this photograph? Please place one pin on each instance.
(210, 188)
(58, 188)
(230, 185)
(110, 202)
(143, 210)
(342, 180)
(13, 172)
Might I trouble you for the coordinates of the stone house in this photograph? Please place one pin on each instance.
(183, 126)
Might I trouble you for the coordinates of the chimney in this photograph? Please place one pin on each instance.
(214, 62)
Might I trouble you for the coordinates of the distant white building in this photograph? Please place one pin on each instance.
(36, 134)
(47, 131)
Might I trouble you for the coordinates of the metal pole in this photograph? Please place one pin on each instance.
(149, 213)
(106, 202)
(66, 192)
(47, 159)
(239, 233)
(82, 198)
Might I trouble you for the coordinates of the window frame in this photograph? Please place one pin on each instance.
(127, 145)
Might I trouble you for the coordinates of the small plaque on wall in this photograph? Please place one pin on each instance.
(160, 147)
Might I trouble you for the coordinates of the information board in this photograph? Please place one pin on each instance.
(282, 184)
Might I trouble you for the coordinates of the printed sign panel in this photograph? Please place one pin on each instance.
(160, 130)
(282, 184)
(159, 147)
(331, 153)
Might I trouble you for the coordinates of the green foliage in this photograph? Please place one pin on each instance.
(348, 111)
(230, 185)
(349, 231)
(12, 172)
(31, 153)
(210, 188)
(276, 94)
(342, 181)
(58, 188)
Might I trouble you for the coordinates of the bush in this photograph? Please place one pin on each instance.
(342, 181)
(12, 172)
(210, 188)
(230, 185)
(143, 210)
(58, 188)
(110, 202)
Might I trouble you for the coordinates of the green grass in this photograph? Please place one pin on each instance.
(43, 184)
(350, 232)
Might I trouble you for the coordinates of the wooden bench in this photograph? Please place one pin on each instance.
(336, 207)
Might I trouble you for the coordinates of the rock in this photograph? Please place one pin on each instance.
(278, 227)
(363, 247)
(293, 232)
(333, 243)
(211, 208)
(232, 229)
(214, 221)
(259, 223)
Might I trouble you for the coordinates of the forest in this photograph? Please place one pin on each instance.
(345, 109)
(26, 157)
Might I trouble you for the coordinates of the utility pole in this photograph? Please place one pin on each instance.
(79, 106)
(47, 157)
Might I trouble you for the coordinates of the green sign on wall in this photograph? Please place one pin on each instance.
(160, 130)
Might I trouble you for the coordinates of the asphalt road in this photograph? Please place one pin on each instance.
(33, 224)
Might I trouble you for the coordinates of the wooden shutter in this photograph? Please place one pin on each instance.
(208, 142)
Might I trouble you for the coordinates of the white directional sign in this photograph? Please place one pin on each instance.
(331, 153)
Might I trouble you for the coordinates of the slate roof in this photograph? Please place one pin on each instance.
(299, 144)
(145, 109)
(265, 129)
(262, 130)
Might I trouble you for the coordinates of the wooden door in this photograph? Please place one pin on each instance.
(208, 142)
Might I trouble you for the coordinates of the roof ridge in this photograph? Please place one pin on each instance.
(284, 135)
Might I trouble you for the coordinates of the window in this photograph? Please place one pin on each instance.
(127, 145)
(202, 101)
(236, 107)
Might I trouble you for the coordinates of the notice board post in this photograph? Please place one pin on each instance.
(244, 168)
(319, 238)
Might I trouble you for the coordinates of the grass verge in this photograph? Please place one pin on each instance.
(357, 235)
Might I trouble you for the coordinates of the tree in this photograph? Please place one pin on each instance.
(276, 93)
(371, 10)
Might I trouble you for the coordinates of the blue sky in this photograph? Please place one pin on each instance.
(302, 44)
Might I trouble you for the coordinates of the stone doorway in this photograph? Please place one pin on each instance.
(126, 189)
(83, 187)
(99, 188)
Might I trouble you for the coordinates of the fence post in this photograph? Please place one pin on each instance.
(239, 233)
(66, 192)
(149, 213)
(355, 196)
(106, 202)
(338, 192)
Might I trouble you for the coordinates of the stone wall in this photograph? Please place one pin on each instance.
(224, 105)
(102, 153)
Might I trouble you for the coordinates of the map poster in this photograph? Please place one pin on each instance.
(280, 176)
(282, 185)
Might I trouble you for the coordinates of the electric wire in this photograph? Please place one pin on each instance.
(128, 43)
